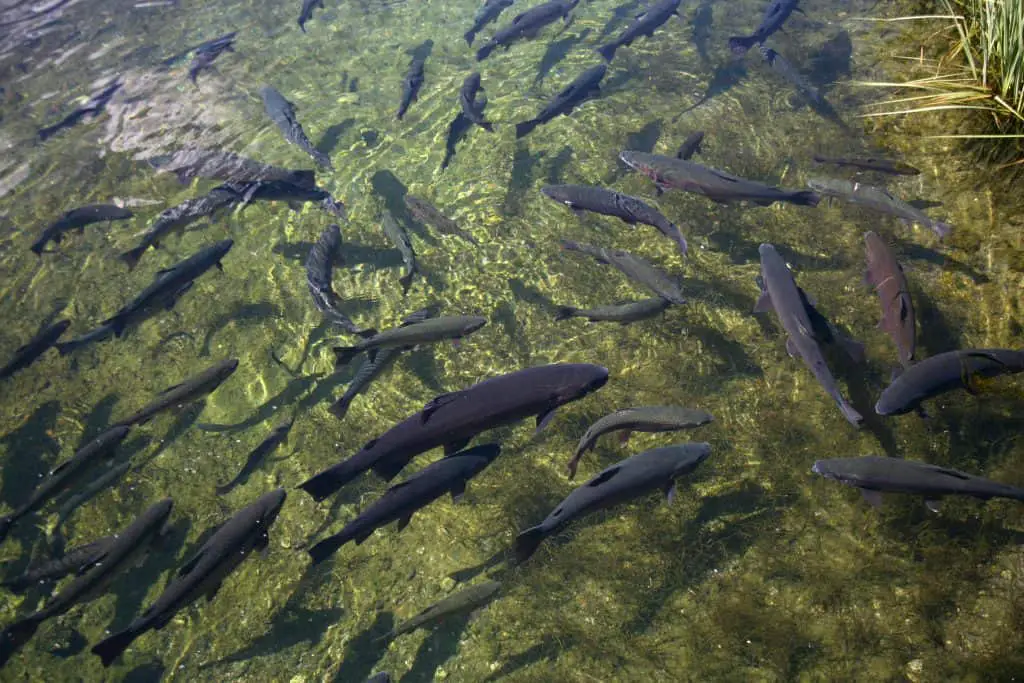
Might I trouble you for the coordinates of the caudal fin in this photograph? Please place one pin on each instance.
(608, 51)
(323, 484)
(132, 256)
(111, 648)
(339, 408)
(470, 36)
(327, 547)
(14, 636)
(482, 53)
(527, 543)
(740, 44)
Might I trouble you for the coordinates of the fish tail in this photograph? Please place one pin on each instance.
(339, 408)
(226, 488)
(608, 51)
(327, 547)
(941, 229)
(524, 128)
(322, 485)
(470, 36)
(406, 281)
(16, 635)
(740, 44)
(344, 354)
(111, 648)
(565, 312)
(806, 198)
(38, 245)
(132, 256)
(527, 543)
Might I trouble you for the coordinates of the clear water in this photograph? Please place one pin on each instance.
(759, 571)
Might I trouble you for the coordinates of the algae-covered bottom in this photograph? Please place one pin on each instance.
(759, 571)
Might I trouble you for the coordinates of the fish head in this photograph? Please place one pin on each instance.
(691, 456)
(556, 192)
(843, 470)
(227, 367)
(223, 247)
(473, 323)
(270, 506)
(593, 378)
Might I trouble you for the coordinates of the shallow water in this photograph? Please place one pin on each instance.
(758, 571)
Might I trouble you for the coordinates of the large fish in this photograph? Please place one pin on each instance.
(259, 454)
(428, 214)
(28, 352)
(448, 475)
(472, 108)
(193, 162)
(629, 209)
(586, 85)
(203, 573)
(464, 602)
(306, 12)
(410, 335)
(178, 217)
(781, 294)
(411, 85)
(319, 267)
(875, 475)
(77, 219)
(945, 372)
(488, 12)
(885, 274)
(774, 17)
(870, 164)
(282, 113)
(208, 52)
(619, 313)
(452, 420)
(400, 238)
(185, 392)
(91, 490)
(91, 109)
(643, 473)
(71, 562)
(634, 267)
(877, 199)
(719, 186)
(645, 24)
(291, 191)
(527, 25)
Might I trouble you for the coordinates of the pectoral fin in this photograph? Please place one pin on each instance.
(764, 303)
(404, 522)
(543, 419)
(458, 491)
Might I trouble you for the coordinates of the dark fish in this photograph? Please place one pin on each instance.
(306, 13)
(645, 24)
(618, 313)
(886, 275)
(124, 551)
(447, 475)
(400, 238)
(586, 85)
(719, 186)
(77, 219)
(295, 193)
(452, 420)
(471, 108)
(71, 562)
(34, 348)
(870, 164)
(774, 17)
(945, 372)
(383, 676)
(875, 475)
(208, 52)
(319, 265)
(655, 469)
(428, 214)
(99, 334)
(197, 162)
(488, 12)
(178, 217)
(411, 335)
(185, 392)
(784, 68)
(465, 601)
(258, 455)
(781, 294)
(631, 210)
(642, 419)
(690, 146)
(527, 24)
(96, 104)
(203, 574)
(282, 113)
(66, 475)
(411, 85)
(633, 267)
(878, 199)
(724, 77)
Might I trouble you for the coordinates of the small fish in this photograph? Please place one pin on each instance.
(400, 238)
(690, 146)
(282, 113)
(258, 455)
(629, 209)
(586, 86)
(774, 17)
(472, 108)
(70, 563)
(527, 24)
(306, 13)
(91, 109)
(203, 574)
(28, 352)
(427, 213)
(645, 24)
(179, 217)
(295, 193)
(319, 266)
(199, 162)
(633, 267)
(99, 334)
(784, 68)
(411, 85)
(410, 335)
(631, 478)
(488, 12)
(642, 419)
(465, 601)
(875, 475)
(619, 313)
(885, 274)
(77, 219)
(400, 502)
(870, 164)
(185, 392)
(208, 52)
(877, 199)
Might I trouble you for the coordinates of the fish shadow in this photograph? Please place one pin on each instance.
(329, 140)
(557, 51)
(183, 421)
(146, 673)
(643, 140)
(291, 626)
(457, 131)
(364, 651)
(523, 166)
(733, 359)
(619, 15)
(242, 313)
(421, 51)
(944, 261)
(546, 651)
(935, 334)
(831, 61)
(439, 647)
(495, 560)
(533, 296)
(98, 419)
(275, 405)
(558, 166)
(32, 438)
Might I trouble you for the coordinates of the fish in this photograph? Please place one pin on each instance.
(945, 372)
(875, 475)
(203, 573)
(471, 108)
(400, 238)
(177, 218)
(428, 214)
(278, 435)
(77, 219)
(620, 313)
(124, 551)
(631, 210)
(488, 12)
(784, 68)
(885, 274)
(645, 24)
(633, 267)
(66, 475)
(411, 335)
(631, 478)
(465, 601)
(640, 419)
(200, 162)
(870, 164)
(91, 109)
(781, 294)
(319, 266)
(690, 146)
(306, 13)
(183, 393)
(527, 24)
(169, 285)
(288, 191)
(282, 113)
(90, 490)
(98, 334)
(586, 85)
(718, 186)
(411, 85)
(453, 419)
(35, 347)
(877, 199)
(208, 52)
(400, 502)
(383, 676)
(71, 562)
(775, 16)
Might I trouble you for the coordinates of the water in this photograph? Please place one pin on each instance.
(759, 571)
